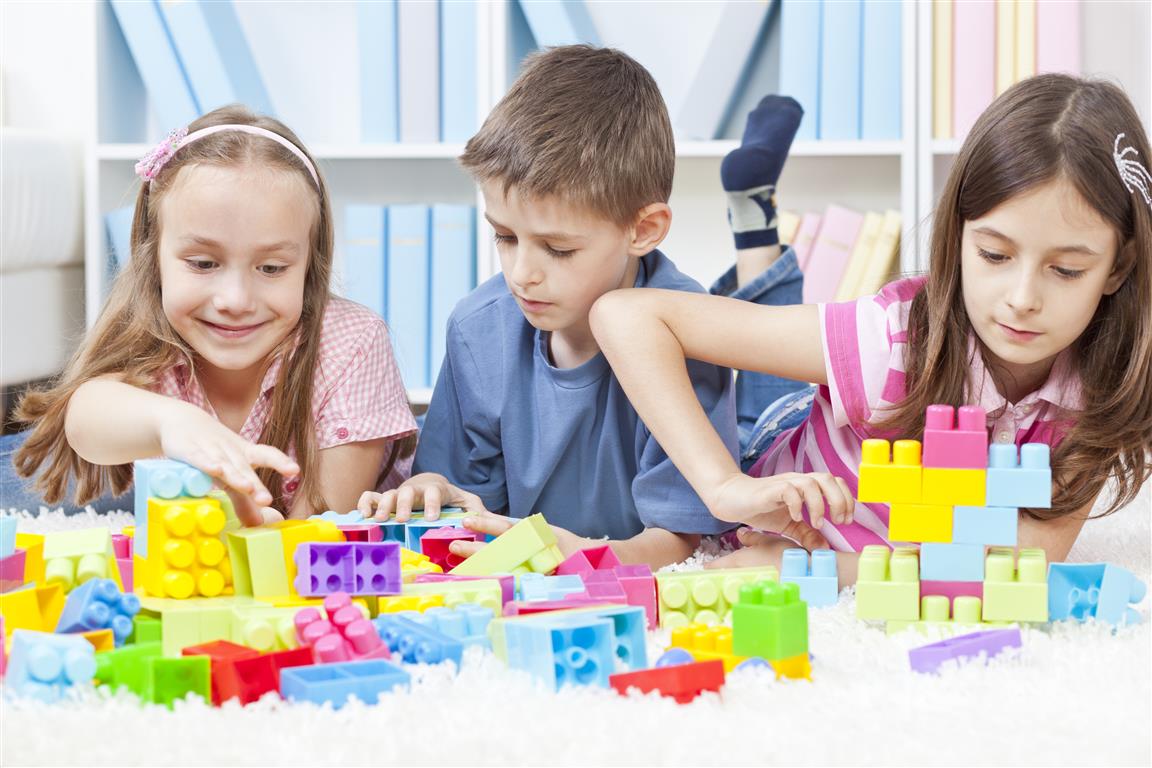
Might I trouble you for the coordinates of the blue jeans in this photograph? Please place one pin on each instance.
(18, 493)
(759, 393)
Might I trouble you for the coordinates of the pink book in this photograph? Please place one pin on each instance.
(838, 231)
(974, 58)
(1058, 36)
(805, 238)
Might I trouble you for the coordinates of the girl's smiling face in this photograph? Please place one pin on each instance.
(234, 251)
(1033, 272)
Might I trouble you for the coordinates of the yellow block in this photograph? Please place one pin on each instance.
(36, 608)
(706, 643)
(793, 668)
(293, 533)
(920, 523)
(954, 487)
(887, 478)
(186, 552)
(33, 546)
(101, 639)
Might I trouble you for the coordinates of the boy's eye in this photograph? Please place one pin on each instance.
(990, 257)
(559, 254)
(1069, 274)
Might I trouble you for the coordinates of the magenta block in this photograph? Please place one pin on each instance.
(640, 586)
(948, 445)
(434, 545)
(362, 533)
(507, 582)
(346, 635)
(359, 568)
(125, 566)
(122, 546)
(12, 572)
(587, 560)
(523, 608)
(602, 585)
(3, 650)
(952, 589)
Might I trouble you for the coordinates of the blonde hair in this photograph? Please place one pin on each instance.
(134, 340)
(1045, 128)
(587, 125)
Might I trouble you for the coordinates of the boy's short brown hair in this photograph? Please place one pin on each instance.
(585, 124)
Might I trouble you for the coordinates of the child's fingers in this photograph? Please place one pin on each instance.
(809, 487)
(247, 511)
(488, 524)
(432, 496)
(790, 497)
(469, 502)
(273, 458)
(405, 497)
(250, 483)
(368, 503)
(465, 548)
(849, 500)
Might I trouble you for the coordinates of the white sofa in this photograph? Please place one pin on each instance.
(41, 254)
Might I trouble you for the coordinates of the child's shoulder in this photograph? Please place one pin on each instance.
(347, 328)
(659, 271)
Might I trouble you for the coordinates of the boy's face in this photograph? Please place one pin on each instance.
(557, 261)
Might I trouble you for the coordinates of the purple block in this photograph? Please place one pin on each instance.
(378, 568)
(951, 445)
(361, 568)
(929, 658)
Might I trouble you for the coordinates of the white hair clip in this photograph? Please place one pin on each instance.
(1134, 175)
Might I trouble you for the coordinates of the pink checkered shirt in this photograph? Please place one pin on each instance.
(357, 393)
(864, 344)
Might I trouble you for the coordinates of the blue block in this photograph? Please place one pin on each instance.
(395, 531)
(7, 535)
(416, 642)
(98, 604)
(568, 651)
(537, 586)
(993, 526)
(819, 581)
(43, 666)
(346, 518)
(951, 562)
(629, 626)
(1023, 483)
(465, 622)
(336, 683)
(162, 479)
(1079, 591)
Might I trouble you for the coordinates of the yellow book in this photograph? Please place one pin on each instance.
(786, 225)
(942, 69)
(884, 257)
(858, 261)
(1025, 39)
(1005, 45)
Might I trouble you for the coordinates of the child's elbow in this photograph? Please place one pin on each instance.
(612, 311)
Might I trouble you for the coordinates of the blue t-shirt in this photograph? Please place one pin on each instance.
(527, 437)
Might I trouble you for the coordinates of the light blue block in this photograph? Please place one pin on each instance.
(993, 526)
(162, 479)
(629, 627)
(537, 586)
(43, 666)
(1079, 591)
(415, 530)
(569, 651)
(465, 622)
(98, 604)
(415, 641)
(951, 562)
(1026, 482)
(346, 518)
(336, 683)
(818, 581)
(7, 535)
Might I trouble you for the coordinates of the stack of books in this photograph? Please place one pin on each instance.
(842, 253)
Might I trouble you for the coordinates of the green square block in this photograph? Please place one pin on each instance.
(145, 629)
(530, 545)
(173, 679)
(1016, 592)
(770, 620)
(888, 584)
(128, 667)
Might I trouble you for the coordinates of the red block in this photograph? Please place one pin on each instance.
(588, 560)
(362, 533)
(434, 544)
(254, 677)
(224, 656)
(683, 682)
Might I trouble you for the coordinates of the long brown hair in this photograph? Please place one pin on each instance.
(133, 339)
(1044, 128)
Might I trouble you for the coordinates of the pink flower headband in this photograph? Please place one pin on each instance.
(149, 166)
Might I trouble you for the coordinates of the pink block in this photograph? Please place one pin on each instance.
(640, 586)
(507, 582)
(362, 533)
(587, 560)
(952, 589)
(125, 566)
(122, 546)
(344, 636)
(3, 648)
(522, 608)
(12, 571)
(435, 543)
(602, 585)
(951, 446)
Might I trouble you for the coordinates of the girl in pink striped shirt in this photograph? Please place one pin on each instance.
(221, 345)
(1036, 307)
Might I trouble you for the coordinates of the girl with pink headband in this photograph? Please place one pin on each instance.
(222, 346)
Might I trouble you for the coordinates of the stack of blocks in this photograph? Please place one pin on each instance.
(771, 621)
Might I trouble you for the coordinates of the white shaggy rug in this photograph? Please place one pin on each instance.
(1074, 695)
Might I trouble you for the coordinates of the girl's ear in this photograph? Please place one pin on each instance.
(1125, 260)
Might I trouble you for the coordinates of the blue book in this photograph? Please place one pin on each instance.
(119, 226)
(880, 102)
(559, 22)
(800, 60)
(172, 98)
(365, 257)
(840, 70)
(407, 304)
(379, 71)
(457, 70)
(453, 270)
(418, 25)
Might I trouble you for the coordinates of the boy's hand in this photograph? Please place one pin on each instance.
(770, 503)
(762, 548)
(427, 490)
(494, 525)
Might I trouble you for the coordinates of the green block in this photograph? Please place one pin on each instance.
(173, 679)
(192, 621)
(888, 584)
(485, 592)
(530, 545)
(264, 627)
(1017, 593)
(771, 621)
(704, 597)
(258, 568)
(128, 667)
(145, 629)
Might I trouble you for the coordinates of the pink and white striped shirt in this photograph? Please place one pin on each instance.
(864, 345)
(357, 393)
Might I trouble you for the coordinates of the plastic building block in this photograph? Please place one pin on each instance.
(629, 641)
(991, 526)
(888, 584)
(599, 585)
(293, 533)
(367, 533)
(951, 589)
(566, 650)
(244, 673)
(706, 642)
(185, 622)
(12, 569)
(258, 566)
(920, 522)
(264, 628)
(952, 562)
(335, 684)
(416, 530)
(163, 479)
(486, 592)
(818, 580)
(101, 639)
(415, 642)
(1026, 482)
(3, 648)
(891, 477)
(1079, 591)
(959, 444)
(97, 604)
(415, 564)
(639, 587)
(187, 554)
(466, 623)
(535, 586)
(587, 560)
(127, 568)
(530, 545)
(347, 634)
(146, 629)
(174, 679)
(1015, 594)
(223, 656)
(989, 643)
(955, 487)
(507, 582)
(32, 607)
(73, 557)
(418, 603)
(43, 666)
(434, 544)
(703, 597)
(122, 546)
(341, 519)
(129, 667)
(7, 535)
(770, 620)
(33, 546)
(682, 682)
(936, 619)
(794, 667)
(358, 569)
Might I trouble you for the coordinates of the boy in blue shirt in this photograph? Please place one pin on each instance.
(575, 164)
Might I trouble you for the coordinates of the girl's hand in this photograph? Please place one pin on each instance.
(494, 525)
(763, 548)
(427, 490)
(770, 503)
(192, 436)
